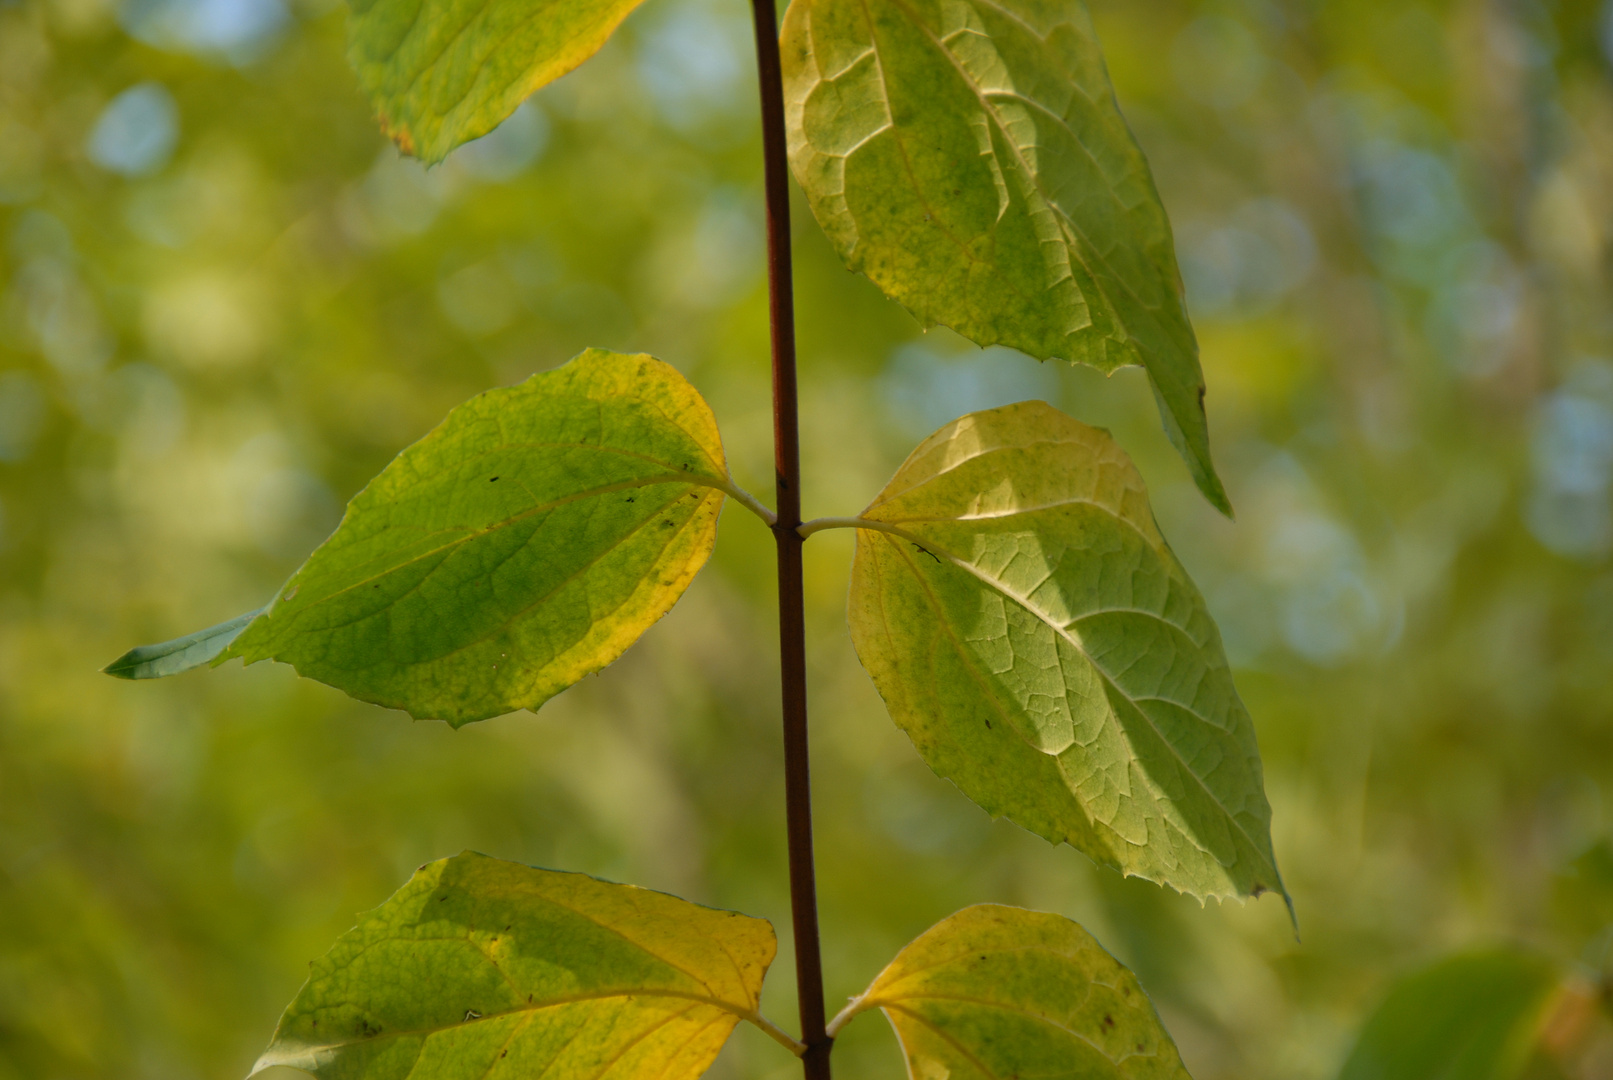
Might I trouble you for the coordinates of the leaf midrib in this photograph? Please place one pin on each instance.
(535, 1007)
(1067, 225)
(1075, 643)
(608, 489)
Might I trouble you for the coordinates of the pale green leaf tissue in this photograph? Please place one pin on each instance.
(968, 156)
(1031, 631)
(526, 542)
(480, 969)
(442, 72)
(997, 992)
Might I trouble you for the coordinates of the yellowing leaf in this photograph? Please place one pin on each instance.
(1472, 1017)
(969, 157)
(526, 542)
(997, 993)
(1034, 635)
(442, 72)
(480, 969)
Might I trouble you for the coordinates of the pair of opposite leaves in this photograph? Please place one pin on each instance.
(480, 969)
(1012, 598)
(968, 156)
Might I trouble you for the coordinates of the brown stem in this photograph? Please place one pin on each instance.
(792, 616)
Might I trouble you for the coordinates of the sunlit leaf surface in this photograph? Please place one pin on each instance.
(526, 542)
(1467, 1018)
(970, 158)
(996, 992)
(480, 968)
(1033, 634)
(443, 72)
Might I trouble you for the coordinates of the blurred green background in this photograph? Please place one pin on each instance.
(225, 303)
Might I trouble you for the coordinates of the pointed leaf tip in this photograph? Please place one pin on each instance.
(181, 654)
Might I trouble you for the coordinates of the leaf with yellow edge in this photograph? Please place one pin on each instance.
(481, 969)
(442, 72)
(1031, 631)
(969, 157)
(526, 542)
(1001, 993)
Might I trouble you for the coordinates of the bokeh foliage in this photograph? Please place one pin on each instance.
(227, 303)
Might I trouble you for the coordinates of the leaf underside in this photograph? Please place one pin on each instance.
(526, 542)
(442, 72)
(181, 654)
(996, 992)
(480, 969)
(968, 156)
(1031, 631)
(1470, 1017)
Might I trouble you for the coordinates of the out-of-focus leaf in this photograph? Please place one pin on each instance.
(526, 542)
(484, 968)
(995, 992)
(1034, 635)
(971, 160)
(180, 654)
(442, 72)
(1467, 1018)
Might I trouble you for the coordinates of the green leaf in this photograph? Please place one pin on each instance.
(970, 159)
(442, 72)
(180, 654)
(526, 542)
(1471, 1017)
(480, 968)
(1033, 634)
(994, 993)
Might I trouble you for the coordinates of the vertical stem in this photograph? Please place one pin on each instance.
(792, 616)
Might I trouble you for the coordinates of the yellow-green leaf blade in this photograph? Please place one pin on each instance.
(997, 992)
(480, 969)
(1472, 1017)
(442, 72)
(971, 160)
(524, 543)
(1031, 631)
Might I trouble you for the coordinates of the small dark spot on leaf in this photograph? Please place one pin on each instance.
(507, 927)
(630, 498)
(988, 723)
(668, 524)
(1108, 1021)
(491, 479)
(1139, 1048)
(505, 1054)
(441, 898)
(1201, 397)
(1257, 890)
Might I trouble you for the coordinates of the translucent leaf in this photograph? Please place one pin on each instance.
(969, 157)
(181, 654)
(442, 72)
(480, 968)
(524, 543)
(1470, 1017)
(995, 993)
(1034, 635)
